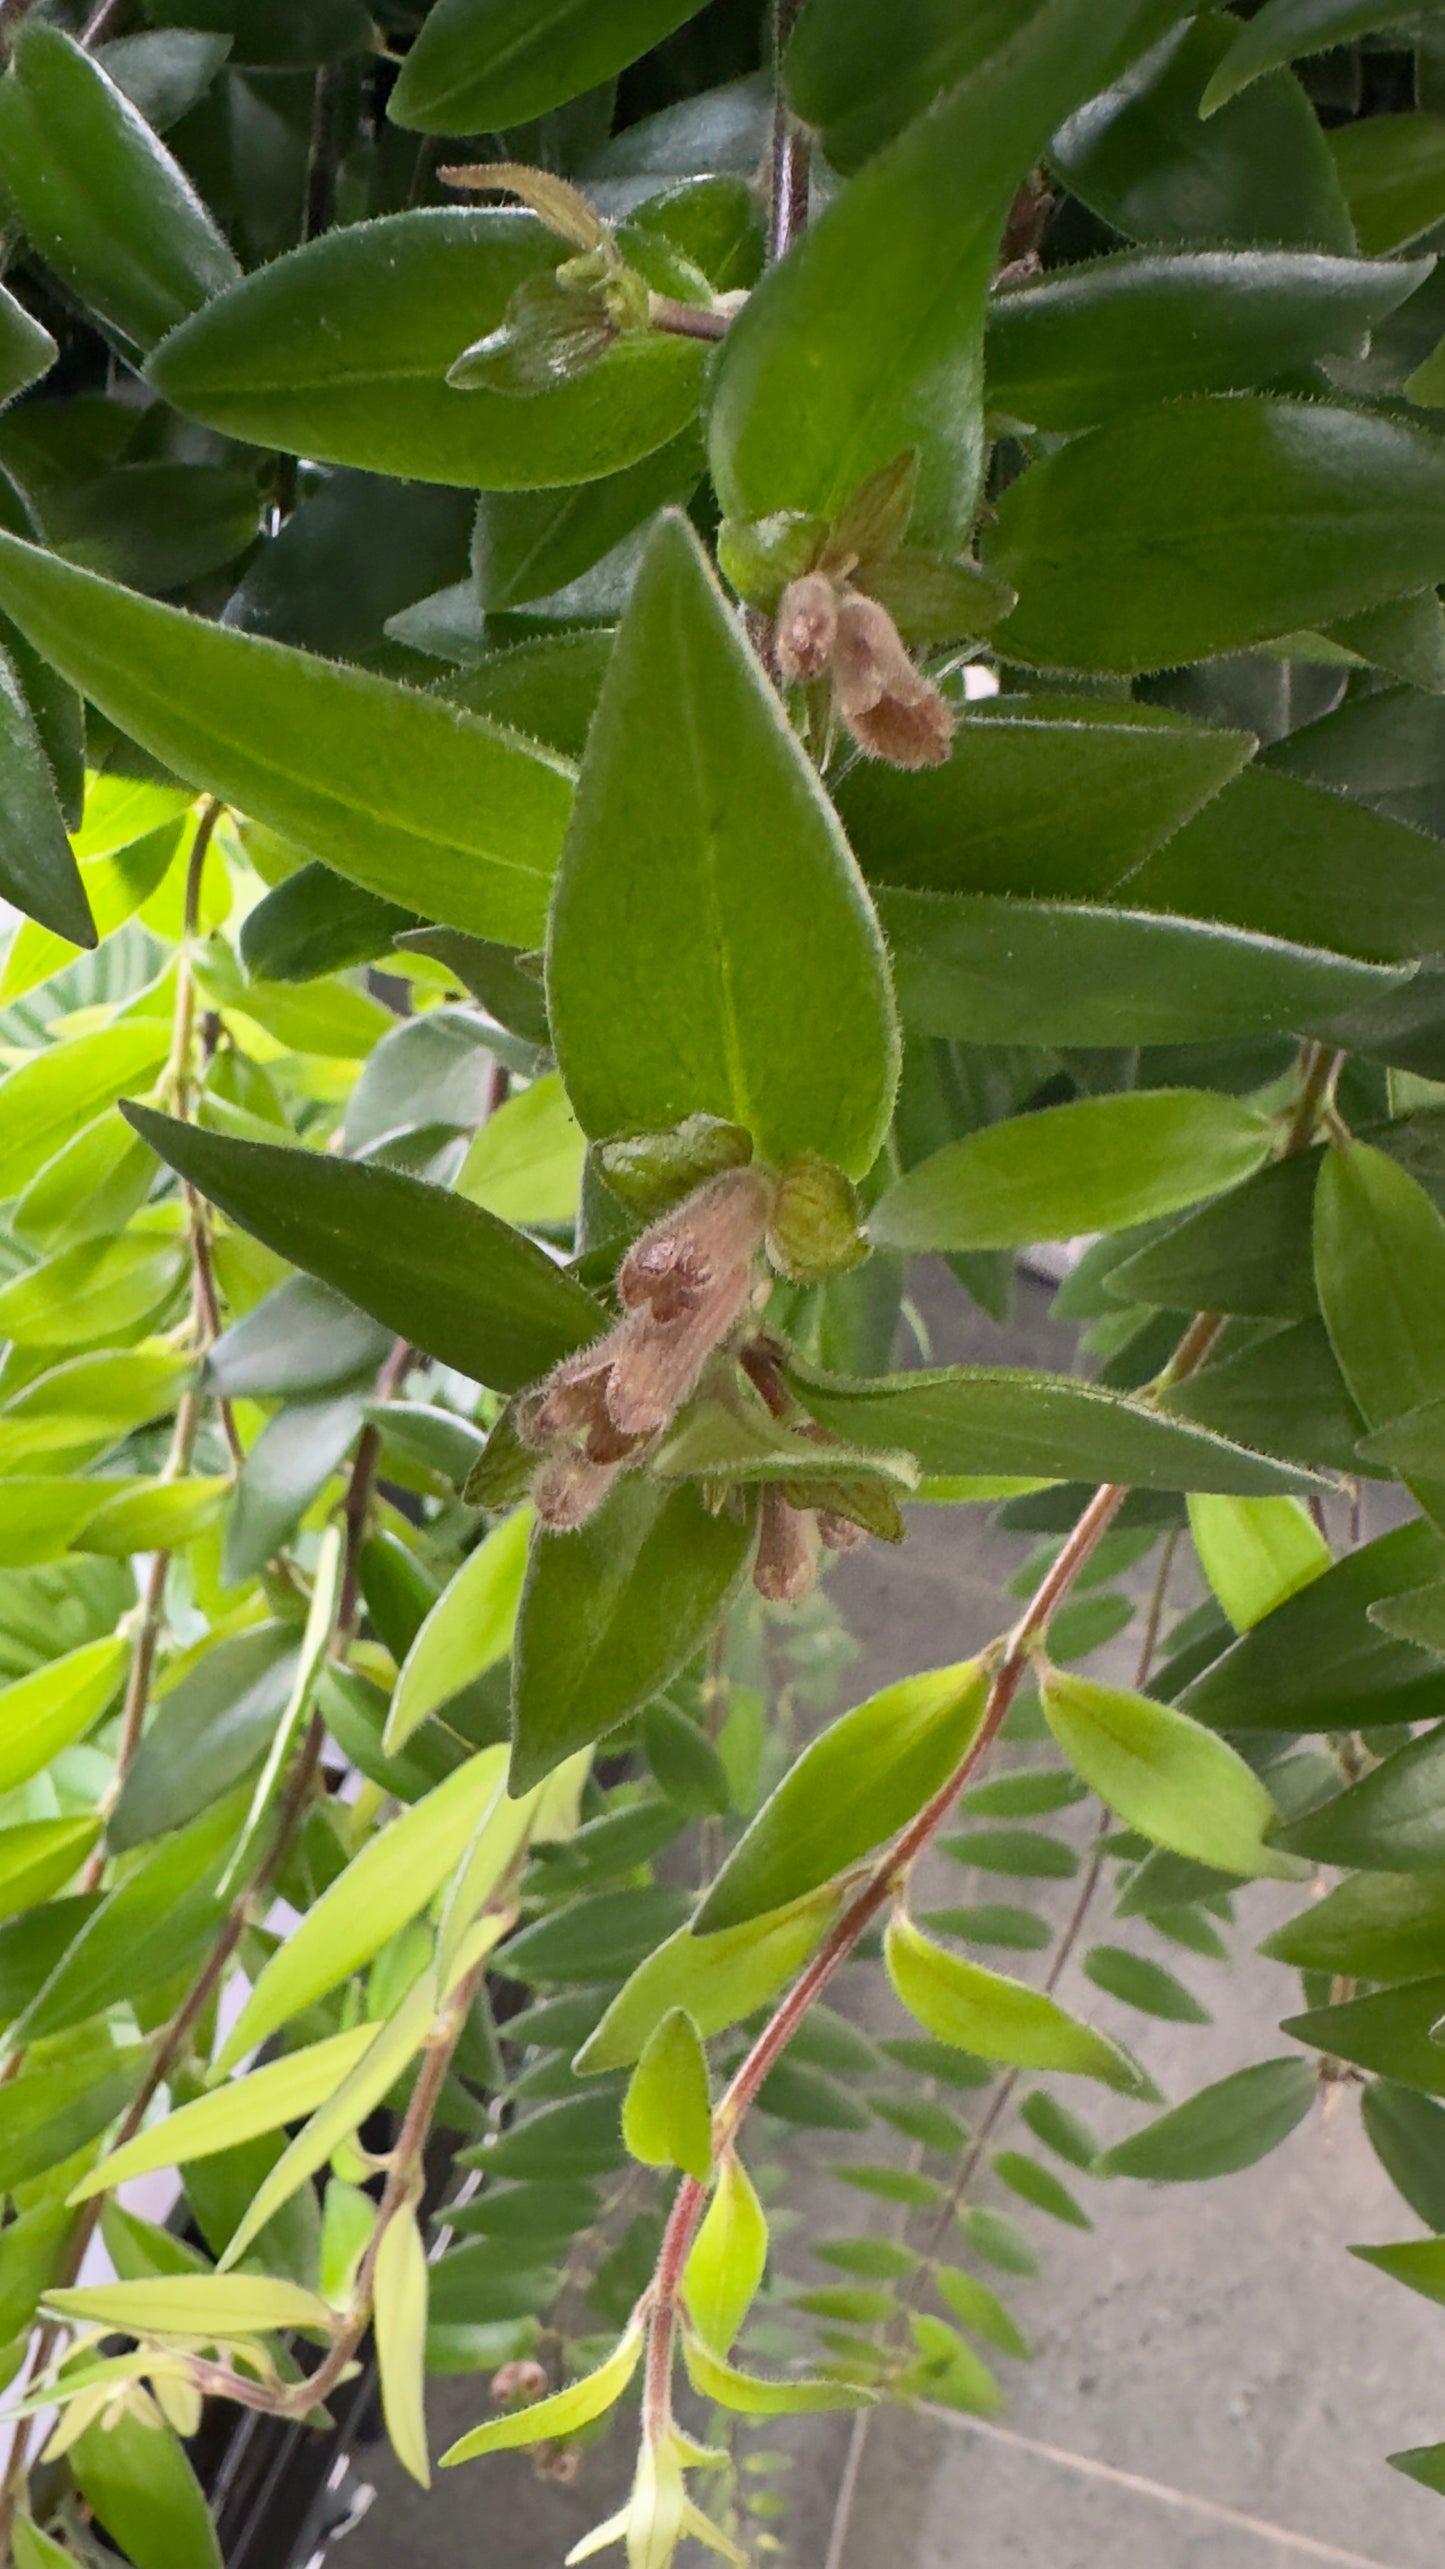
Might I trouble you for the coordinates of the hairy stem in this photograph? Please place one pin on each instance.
(791, 150)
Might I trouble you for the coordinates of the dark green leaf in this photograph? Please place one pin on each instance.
(291, 1461)
(1392, 170)
(611, 1613)
(136, 2477)
(1319, 1663)
(1407, 2134)
(1380, 1272)
(431, 1266)
(1039, 2186)
(301, 1338)
(705, 890)
(275, 32)
(1392, 1820)
(1028, 1853)
(398, 791)
(164, 71)
(1224, 2128)
(1060, 2129)
(1374, 1926)
(1230, 491)
(317, 922)
(207, 1734)
(1143, 1984)
(481, 64)
(49, 2112)
(99, 197)
(991, 1923)
(528, 543)
(596, 1939)
(1284, 29)
(1285, 1389)
(1389, 2032)
(38, 871)
(341, 350)
(1251, 1252)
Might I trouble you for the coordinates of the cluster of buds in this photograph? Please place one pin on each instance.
(827, 629)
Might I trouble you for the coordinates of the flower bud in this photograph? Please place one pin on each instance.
(815, 1229)
(891, 709)
(650, 1172)
(523, 2379)
(839, 1533)
(787, 1557)
(554, 329)
(569, 1489)
(719, 1229)
(807, 626)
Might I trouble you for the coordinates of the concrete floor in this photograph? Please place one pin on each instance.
(1216, 2383)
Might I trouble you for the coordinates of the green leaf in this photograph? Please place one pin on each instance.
(54, 1091)
(1230, 491)
(38, 871)
(466, 1632)
(991, 1922)
(979, 2309)
(98, 197)
(1081, 343)
(316, 922)
(49, 2112)
(997, 2238)
(204, 2306)
(208, 1732)
(1138, 1982)
(525, 1163)
(1028, 1852)
(987, 970)
(688, 1768)
(718, 1980)
(705, 889)
(1000, 2019)
(398, 791)
(1389, 2031)
(1374, 1926)
(716, 1442)
(35, 2549)
(263, 2101)
(1164, 1774)
(1380, 1270)
(142, 2488)
(399, 2321)
(1284, 29)
(1039, 2186)
(1140, 156)
(1319, 1662)
(385, 1885)
(479, 65)
(1059, 2129)
(1392, 171)
(340, 350)
(434, 1268)
(987, 821)
(598, 1938)
(1100, 1164)
(667, 2113)
(609, 1614)
(1225, 2127)
(1425, 2463)
(1255, 1553)
(1392, 1820)
(1251, 1252)
(840, 360)
(966, 1419)
(39, 1857)
(726, 2262)
(1407, 2135)
(43, 1713)
(853, 1788)
(149, 1924)
(563, 2414)
(288, 1466)
(749, 2395)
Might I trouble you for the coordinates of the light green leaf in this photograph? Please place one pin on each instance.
(212, 2307)
(718, 1979)
(1255, 1552)
(1100, 1164)
(385, 1885)
(709, 923)
(34, 2549)
(610, 1613)
(154, 1515)
(726, 2263)
(98, 197)
(1165, 1775)
(1419, 2263)
(49, 1096)
(750, 2396)
(467, 1631)
(479, 65)
(316, 1639)
(1228, 2126)
(1230, 491)
(525, 1164)
(38, 1858)
(399, 2307)
(666, 2112)
(398, 791)
(44, 1712)
(853, 1788)
(341, 350)
(261, 2102)
(548, 2420)
(979, 2309)
(999, 2019)
(437, 1270)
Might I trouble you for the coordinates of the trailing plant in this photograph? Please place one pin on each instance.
(651, 665)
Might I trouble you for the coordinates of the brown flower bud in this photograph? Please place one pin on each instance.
(574, 1396)
(838, 1533)
(787, 1556)
(661, 1363)
(672, 1266)
(569, 1489)
(891, 709)
(522, 2379)
(807, 626)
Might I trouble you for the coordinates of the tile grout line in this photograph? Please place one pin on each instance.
(1306, 2544)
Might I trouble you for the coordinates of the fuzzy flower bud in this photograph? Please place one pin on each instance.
(807, 626)
(515, 2383)
(569, 1489)
(891, 709)
(787, 1557)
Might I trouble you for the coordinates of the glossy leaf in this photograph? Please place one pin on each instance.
(1164, 1774)
(1226, 2127)
(481, 64)
(391, 1879)
(610, 1613)
(1390, 1820)
(1098, 1165)
(1232, 489)
(435, 1269)
(718, 1979)
(985, 970)
(99, 197)
(726, 2262)
(1285, 29)
(341, 350)
(704, 883)
(562, 2414)
(1255, 1553)
(399, 2321)
(401, 793)
(1389, 2031)
(852, 1789)
(666, 2113)
(1000, 2019)
(467, 1631)
(1319, 1662)
(208, 1732)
